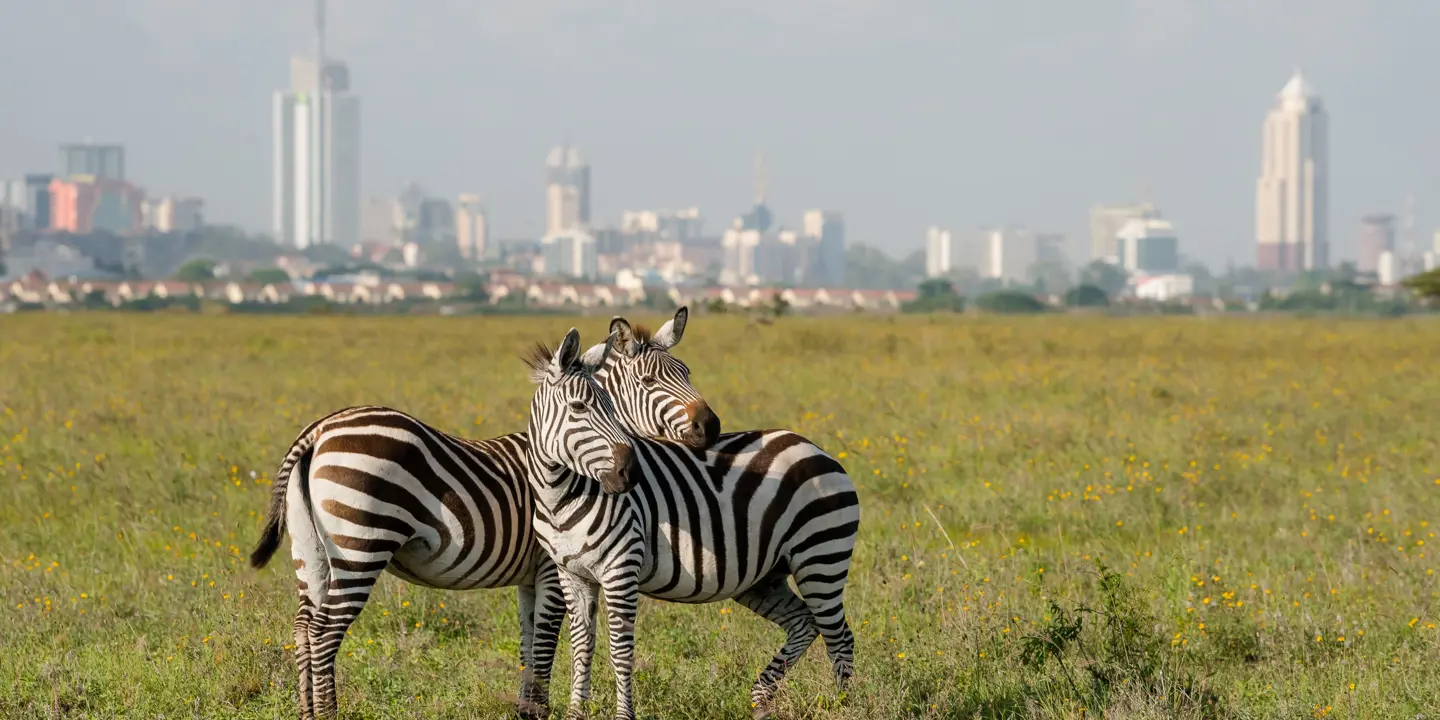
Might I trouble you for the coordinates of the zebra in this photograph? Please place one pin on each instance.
(698, 526)
(369, 488)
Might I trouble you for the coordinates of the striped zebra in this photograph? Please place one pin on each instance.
(698, 526)
(369, 489)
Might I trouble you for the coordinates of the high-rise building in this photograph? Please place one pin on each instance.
(571, 253)
(84, 204)
(103, 162)
(1106, 221)
(567, 190)
(827, 230)
(1009, 255)
(471, 231)
(435, 223)
(1148, 246)
(940, 256)
(37, 201)
(173, 214)
(739, 248)
(1292, 199)
(381, 220)
(1377, 236)
(316, 134)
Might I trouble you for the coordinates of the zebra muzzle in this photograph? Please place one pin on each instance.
(620, 478)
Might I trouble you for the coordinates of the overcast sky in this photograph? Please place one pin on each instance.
(901, 114)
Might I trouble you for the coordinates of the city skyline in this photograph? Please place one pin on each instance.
(1187, 142)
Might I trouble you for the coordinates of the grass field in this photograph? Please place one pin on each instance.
(1264, 493)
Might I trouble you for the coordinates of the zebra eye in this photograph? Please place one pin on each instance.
(649, 380)
(577, 406)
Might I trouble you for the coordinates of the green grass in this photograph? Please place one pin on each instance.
(1266, 493)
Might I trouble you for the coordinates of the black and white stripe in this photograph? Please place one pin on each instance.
(370, 489)
(697, 526)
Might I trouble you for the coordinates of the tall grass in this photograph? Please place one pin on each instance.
(1062, 517)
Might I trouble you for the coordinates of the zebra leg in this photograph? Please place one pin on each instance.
(823, 588)
(776, 602)
(312, 576)
(580, 601)
(525, 596)
(547, 616)
(356, 564)
(622, 598)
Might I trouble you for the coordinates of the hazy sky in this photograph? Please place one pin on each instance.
(901, 114)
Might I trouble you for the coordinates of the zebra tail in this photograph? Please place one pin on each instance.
(299, 455)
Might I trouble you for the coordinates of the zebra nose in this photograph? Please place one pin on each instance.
(704, 424)
(619, 479)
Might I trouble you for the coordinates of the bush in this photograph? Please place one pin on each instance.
(1010, 303)
(936, 295)
(1087, 296)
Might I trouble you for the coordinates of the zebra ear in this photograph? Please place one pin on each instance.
(567, 355)
(595, 357)
(670, 333)
(624, 335)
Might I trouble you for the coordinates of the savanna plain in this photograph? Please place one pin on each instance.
(1063, 517)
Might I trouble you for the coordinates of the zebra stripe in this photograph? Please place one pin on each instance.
(370, 489)
(697, 526)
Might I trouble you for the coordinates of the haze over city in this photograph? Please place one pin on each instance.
(976, 114)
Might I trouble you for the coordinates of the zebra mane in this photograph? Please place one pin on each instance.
(538, 359)
(643, 335)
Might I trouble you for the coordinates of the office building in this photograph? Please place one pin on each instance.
(471, 230)
(316, 153)
(570, 253)
(1105, 223)
(1292, 199)
(567, 190)
(1148, 246)
(1377, 236)
(103, 162)
(826, 229)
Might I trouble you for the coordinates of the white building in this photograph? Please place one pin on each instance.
(1387, 268)
(1148, 245)
(570, 253)
(1009, 255)
(316, 160)
(173, 214)
(567, 191)
(1292, 198)
(684, 224)
(1163, 287)
(1105, 224)
(472, 233)
(826, 230)
(940, 255)
(739, 248)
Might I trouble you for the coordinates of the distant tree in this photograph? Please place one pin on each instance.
(935, 295)
(658, 298)
(1010, 302)
(327, 254)
(1106, 276)
(470, 286)
(716, 306)
(198, 270)
(868, 268)
(269, 276)
(777, 306)
(1426, 285)
(1087, 296)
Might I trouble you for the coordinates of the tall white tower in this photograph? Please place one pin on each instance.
(567, 190)
(316, 130)
(1292, 199)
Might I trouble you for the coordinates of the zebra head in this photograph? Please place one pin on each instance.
(572, 419)
(651, 388)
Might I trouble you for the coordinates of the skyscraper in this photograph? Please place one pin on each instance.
(827, 230)
(316, 130)
(104, 162)
(567, 190)
(1106, 221)
(1377, 237)
(471, 233)
(939, 252)
(1292, 204)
